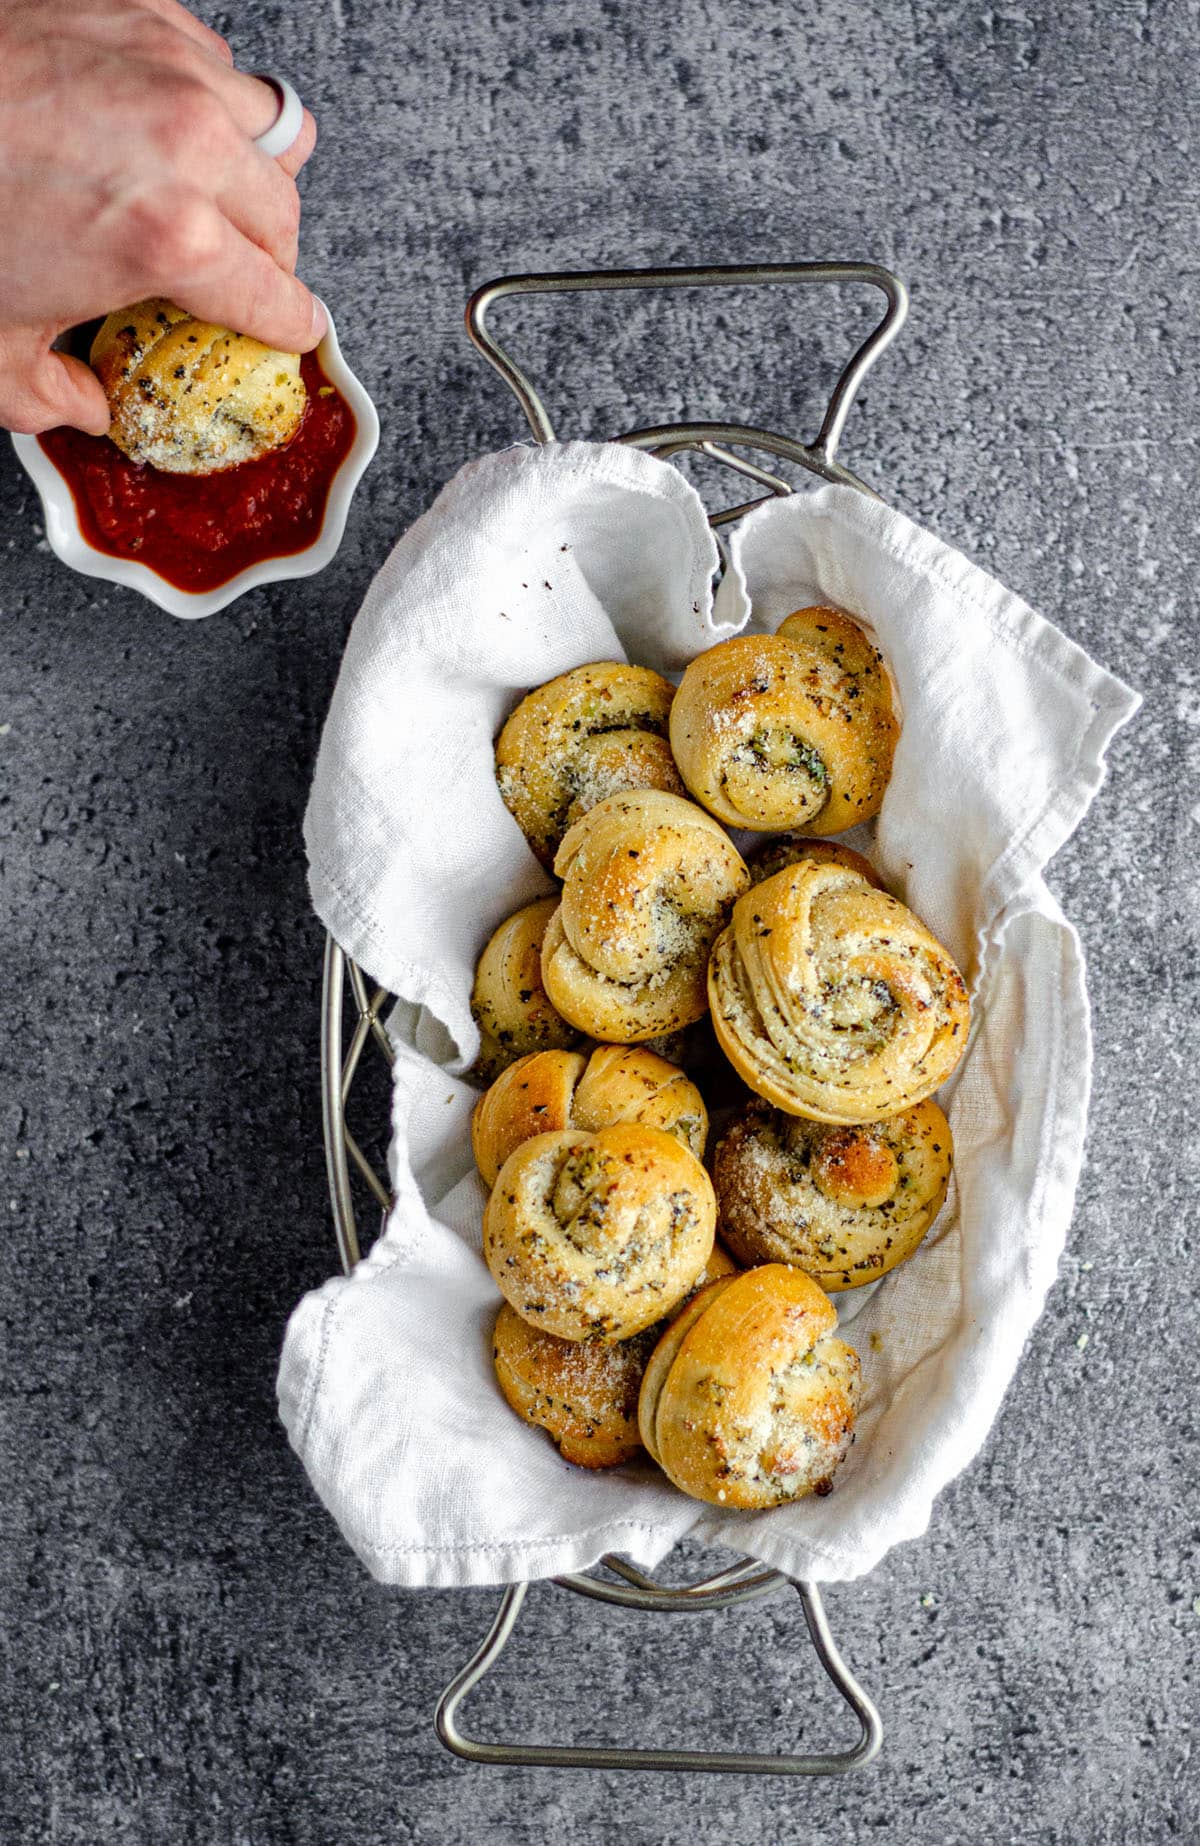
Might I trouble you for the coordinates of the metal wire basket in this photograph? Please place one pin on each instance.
(344, 1038)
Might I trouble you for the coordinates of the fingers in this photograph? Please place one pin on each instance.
(294, 158)
(254, 106)
(218, 274)
(207, 154)
(252, 103)
(40, 389)
(191, 208)
(163, 34)
(262, 202)
(179, 17)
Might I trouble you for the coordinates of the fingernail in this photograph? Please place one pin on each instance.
(320, 320)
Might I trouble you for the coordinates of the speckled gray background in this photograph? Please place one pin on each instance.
(190, 1653)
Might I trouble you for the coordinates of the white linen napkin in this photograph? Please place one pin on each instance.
(536, 560)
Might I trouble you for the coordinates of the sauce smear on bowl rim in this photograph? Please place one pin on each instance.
(199, 530)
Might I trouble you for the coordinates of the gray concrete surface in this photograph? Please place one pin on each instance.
(190, 1652)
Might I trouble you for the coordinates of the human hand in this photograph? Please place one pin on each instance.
(128, 168)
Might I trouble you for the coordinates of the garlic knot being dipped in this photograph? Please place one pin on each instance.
(189, 397)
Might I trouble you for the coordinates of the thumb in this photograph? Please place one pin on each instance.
(40, 388)
(71, 393)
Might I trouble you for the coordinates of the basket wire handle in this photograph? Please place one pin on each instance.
(712, 1762)
(819, 456)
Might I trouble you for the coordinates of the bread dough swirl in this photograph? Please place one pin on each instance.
(845, 1205)
(189, 397)
(748, 1401)
(598, 1235)
(794, 729)
(592, 732)
(583, 1393)
(509, 1003)
(832, 1000)
(648, 881)
(789, 848)
(565, 1089)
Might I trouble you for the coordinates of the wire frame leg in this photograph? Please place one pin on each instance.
(713, 1762)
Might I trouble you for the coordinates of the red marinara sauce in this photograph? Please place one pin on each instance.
(199, 530)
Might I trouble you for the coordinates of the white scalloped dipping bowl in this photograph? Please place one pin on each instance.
(69, 544)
